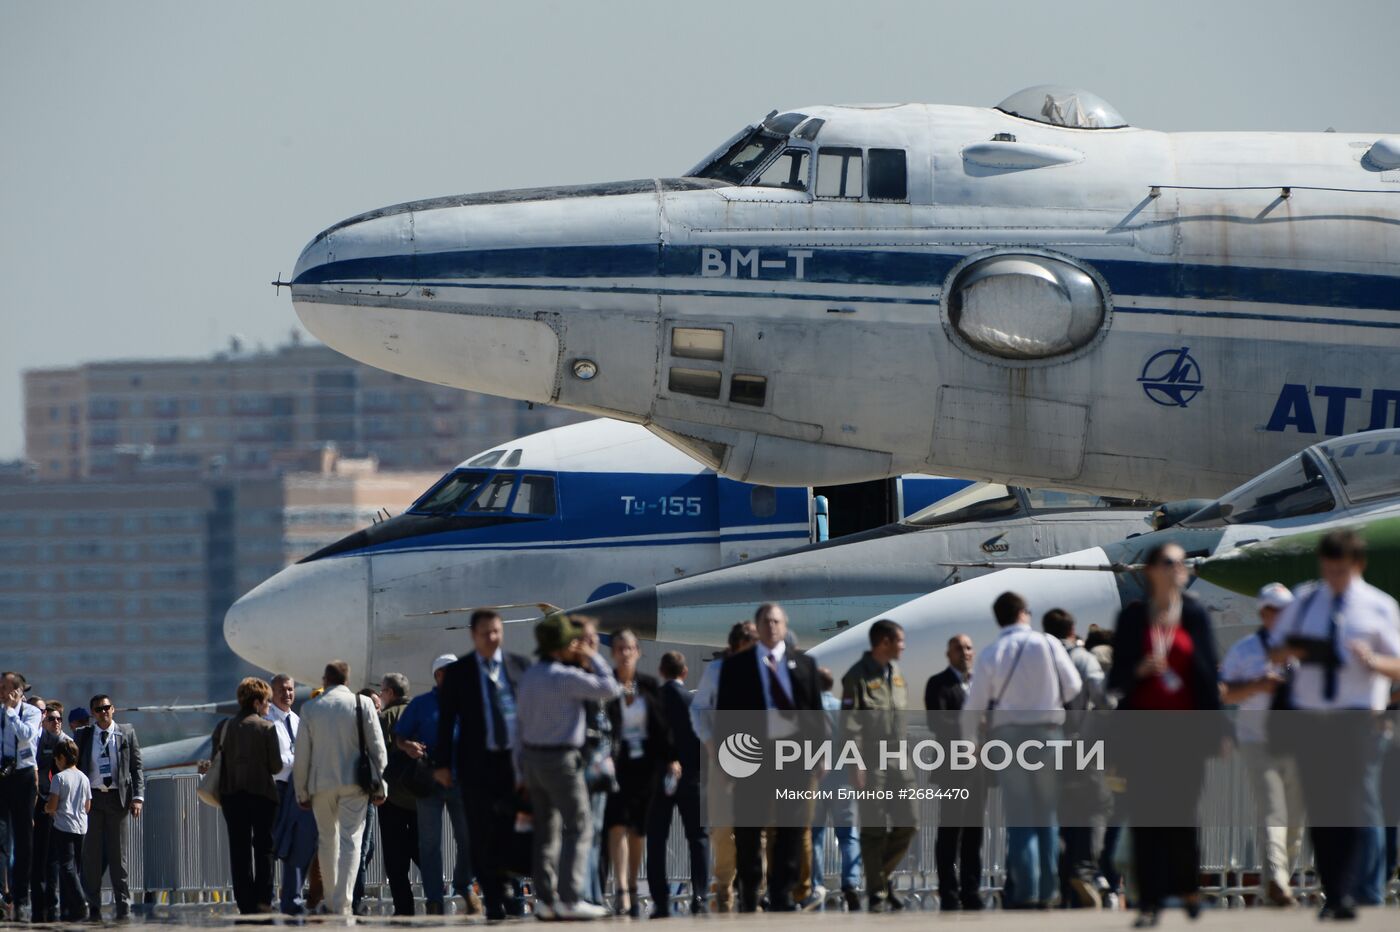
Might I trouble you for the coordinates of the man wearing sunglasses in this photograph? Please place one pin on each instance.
(43, 896)
(110, 755)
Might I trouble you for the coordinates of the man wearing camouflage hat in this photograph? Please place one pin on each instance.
(549, 757)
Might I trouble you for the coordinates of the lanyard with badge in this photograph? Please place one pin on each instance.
(1163, 628)
(104, 761)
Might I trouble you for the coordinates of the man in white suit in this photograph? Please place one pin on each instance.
(333, 727)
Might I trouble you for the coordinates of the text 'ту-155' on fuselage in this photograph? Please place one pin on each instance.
(1035, 293)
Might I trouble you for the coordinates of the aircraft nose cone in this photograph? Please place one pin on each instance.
(635, 609)
(304, 617)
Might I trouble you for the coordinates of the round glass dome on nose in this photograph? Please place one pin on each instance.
(1063, 106)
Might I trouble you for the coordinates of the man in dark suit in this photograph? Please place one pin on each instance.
(675, 708)
(110, 756)
(477, 699)
(769, 678)
(957, 848)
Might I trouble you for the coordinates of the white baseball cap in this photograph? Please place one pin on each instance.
(1275, 595)
(446, 660)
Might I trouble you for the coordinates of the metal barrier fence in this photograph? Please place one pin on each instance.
(179, 848)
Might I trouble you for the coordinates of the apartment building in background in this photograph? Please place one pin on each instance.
(121, 585)
(256, 412)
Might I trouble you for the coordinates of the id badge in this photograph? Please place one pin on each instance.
(1171, 681)
(634, 749)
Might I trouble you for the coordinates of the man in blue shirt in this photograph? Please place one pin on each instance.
(416, 734)
(19, 734)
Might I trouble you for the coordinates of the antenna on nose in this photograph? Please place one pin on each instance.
(278, 284)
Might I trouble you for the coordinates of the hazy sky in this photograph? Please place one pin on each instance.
(160, 163)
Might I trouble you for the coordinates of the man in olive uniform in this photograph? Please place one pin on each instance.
(874, 687)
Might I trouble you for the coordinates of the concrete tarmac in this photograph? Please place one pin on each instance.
(1219, 920)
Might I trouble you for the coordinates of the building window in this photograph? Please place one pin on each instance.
(703, 383)
(840, 173)
(697, 343)
(889, 179)
(748, 390)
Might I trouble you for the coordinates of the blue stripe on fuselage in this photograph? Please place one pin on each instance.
(872, 266)
(634, 507)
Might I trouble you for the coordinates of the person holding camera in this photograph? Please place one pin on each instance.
(549, 756)
(19, 733)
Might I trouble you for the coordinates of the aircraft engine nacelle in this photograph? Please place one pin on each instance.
(1014, 306)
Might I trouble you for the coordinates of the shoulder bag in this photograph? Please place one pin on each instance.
(210, 785)
(365, 776)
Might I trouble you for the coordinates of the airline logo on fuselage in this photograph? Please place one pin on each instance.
(754, 263)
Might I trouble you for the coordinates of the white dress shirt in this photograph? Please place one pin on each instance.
(287, 724)
(1368, 615)
(779, 665)
(20, 728)
(702, 703)
(1032, 691)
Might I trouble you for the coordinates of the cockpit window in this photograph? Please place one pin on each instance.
(979, 502)
(788, 170)
(889, 176)
(1054, 500)
(1368, 466)
(494, 495)
(490, 458)
(535, 497)
(1295, 487)
(840, 173)
(513, 459)
(740, 160)
(784, 123)
(451, 493)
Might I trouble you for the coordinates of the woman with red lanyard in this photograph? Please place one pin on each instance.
(1164, 660)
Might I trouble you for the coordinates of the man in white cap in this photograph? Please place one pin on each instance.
(416, 734)
(1249, 681)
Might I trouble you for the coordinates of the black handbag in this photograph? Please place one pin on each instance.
(365, 776)
(1282, 733)
(416, 776)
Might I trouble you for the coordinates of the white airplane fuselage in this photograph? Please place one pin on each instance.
(1118, 310)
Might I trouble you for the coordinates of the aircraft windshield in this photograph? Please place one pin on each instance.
(475, 492)
(740, 159)
(1055, 500)
(1368, 466)
(1295, 487)
(448, 497)
(979, 502)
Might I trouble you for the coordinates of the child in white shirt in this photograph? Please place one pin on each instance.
(70, 798)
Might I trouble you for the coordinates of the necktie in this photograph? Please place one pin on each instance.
(291, 736)
(498, 717)
(1329, 671)
(779, 697)
(107, 753)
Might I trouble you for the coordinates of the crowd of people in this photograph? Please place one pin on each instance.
(565, 770)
